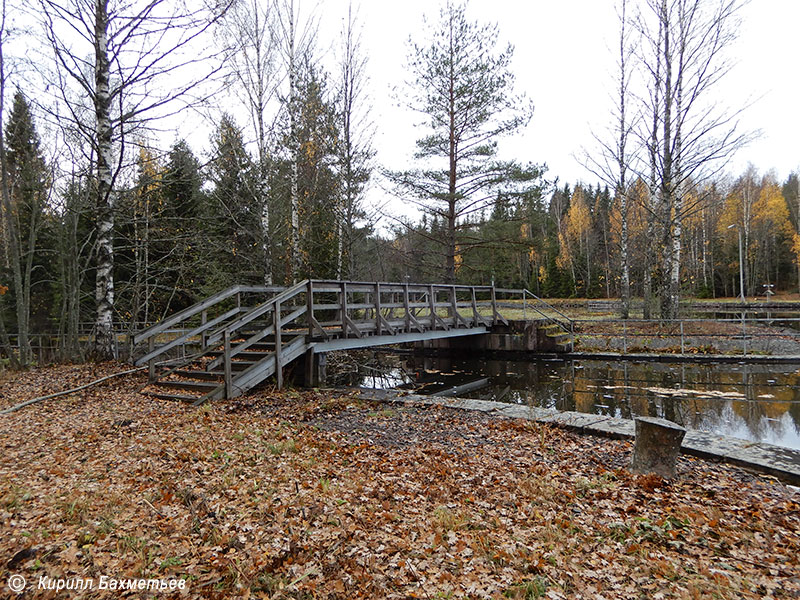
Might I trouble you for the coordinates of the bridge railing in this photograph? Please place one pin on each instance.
(350, 308)
(318, 309)
(777, 336)
(544, 309)
(324, 309)
(194, 322)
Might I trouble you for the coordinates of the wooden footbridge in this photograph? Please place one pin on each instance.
(230, 342)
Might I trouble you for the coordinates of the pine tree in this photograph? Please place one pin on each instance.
(313, 179)
(182, 228)
(319, 184)
(465, 90)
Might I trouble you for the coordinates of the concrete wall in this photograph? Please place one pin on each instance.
(518, 337)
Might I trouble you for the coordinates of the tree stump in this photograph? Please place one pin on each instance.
(657, 445)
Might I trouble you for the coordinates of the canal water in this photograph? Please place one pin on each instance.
(757, 402)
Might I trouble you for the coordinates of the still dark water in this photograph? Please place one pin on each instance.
(754, 402)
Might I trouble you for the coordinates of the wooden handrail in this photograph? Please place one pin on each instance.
(257, 337)
(567, 321)
(186, 336)
(199, 307)
(265, 307)
(186, 313)
(272, 305)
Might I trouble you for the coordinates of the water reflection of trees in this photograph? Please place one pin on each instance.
(768, 393)
(769, 407)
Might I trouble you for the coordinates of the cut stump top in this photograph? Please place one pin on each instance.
(660, 422)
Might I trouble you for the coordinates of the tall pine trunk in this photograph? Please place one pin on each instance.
(450, 266)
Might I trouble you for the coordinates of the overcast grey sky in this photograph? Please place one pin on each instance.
(562, 61)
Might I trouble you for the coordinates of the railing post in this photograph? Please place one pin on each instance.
(475, 317)
(310, 379)
(203, 321)
(494, 306)
(524, 305)
(227, 356)
(343, 305)
(432, 303)
(377, 308)
(407, 306)
(310, 308)
(276, 320)
(571, 335)
(624, 337)
(744, 335)
(454, 307)
(151, 364)
(682, 350)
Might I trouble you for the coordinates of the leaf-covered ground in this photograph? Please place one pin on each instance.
(309, 495)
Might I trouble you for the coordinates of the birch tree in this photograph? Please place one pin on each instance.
(355, 146)
(689, 139)
(614, 162)
(251, 31)
(576, 247)
(118, 66)
(295, 39)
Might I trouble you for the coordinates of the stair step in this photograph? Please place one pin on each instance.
(245, 354)
(208, 375)
(236, 365)
(263, 346)
(562, 334)
(165, 396)
(200, 386)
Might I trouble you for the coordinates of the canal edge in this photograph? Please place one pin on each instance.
(778, 461)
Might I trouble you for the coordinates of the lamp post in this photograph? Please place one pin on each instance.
(741, 263)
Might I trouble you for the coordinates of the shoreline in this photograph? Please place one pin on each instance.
(779, 461)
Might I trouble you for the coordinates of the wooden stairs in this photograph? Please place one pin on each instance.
(204, 378)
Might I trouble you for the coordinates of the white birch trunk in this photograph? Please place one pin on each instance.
(622, 191)
(262, 69)
(339, 248)
(104, 279)
(294, 149)
(675, 273)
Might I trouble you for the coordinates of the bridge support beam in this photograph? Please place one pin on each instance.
(314, 368)
(517, 336)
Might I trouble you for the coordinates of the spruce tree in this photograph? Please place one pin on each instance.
(24, 219)
(232, 215)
